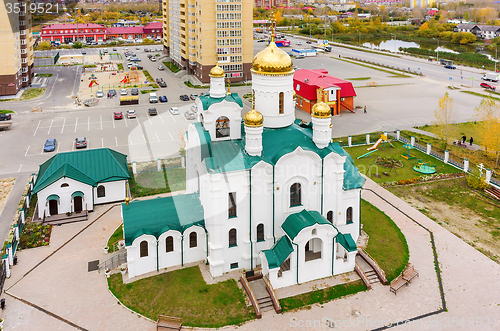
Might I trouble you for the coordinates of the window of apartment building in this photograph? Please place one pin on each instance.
(235, 33)
(232, 204)
(237, 58)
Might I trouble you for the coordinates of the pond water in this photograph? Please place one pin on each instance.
(393, 45)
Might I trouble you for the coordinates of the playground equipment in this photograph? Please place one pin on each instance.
(93, 82)
(92, 77)
(424, 168)
(134, 74)
(125, 79)
(408, 156)
(367, 154)
(383, 138)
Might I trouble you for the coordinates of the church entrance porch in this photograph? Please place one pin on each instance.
(53, 207)
(78, 204)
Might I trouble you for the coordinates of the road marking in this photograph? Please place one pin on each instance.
(37, 128)
(172, 117)
(102, 142)
(20, 168)
(27, 151)
(113, 119)
(157, 137)
(101, 121)
(116, 141)
(126, 124)
(138, 121)
(58, 145)
(64, 123)
(171, 135)
(88, 125)
(161, 119)
(76, 123)
(50, 127)
(42, 150)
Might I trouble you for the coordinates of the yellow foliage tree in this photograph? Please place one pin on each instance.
(489, 127)
(424, 26)
(445, 119)
(278, 17)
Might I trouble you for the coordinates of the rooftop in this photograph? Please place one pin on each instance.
(320, 78)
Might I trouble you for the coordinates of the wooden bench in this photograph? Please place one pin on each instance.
(168, 323)
(410, 273)
(397, 283)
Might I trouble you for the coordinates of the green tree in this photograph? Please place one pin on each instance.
(78, 44)
(445, 119)
(44, 45)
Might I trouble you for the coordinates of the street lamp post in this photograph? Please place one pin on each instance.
(496, 51)
(437, 50)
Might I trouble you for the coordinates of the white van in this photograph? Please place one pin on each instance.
(153, 98)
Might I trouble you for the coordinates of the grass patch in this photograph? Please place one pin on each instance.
(396, 74)
(481, 95)
(171, 66)
(90, 66)
(322, 296)
(120, 66)
(44, 75)
(466, 128)
(359, 78)
(148, 75)
(387, 244)
(147, 91)
(368, 166)
(117, 235)
(158, 182)
(32, 93)
(5, 111)
(184, 293)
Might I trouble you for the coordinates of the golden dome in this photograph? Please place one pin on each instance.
(272, 60)
(321, 110)
(253, 118)
(217, 72)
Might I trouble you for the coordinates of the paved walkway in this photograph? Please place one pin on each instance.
(63, 286)
(474, 147)
(12, 204)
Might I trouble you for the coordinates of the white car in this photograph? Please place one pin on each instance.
(131, 114)
(153, 59)
(174, 111)
(99, 94)
(298, 43)
(161, 68)
(123, 91)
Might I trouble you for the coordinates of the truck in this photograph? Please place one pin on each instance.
(490, 76)
(328, 48)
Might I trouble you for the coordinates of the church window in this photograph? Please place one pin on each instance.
(295, 195)
(101, 191)
(222, 127)
(64, 185)
(232, 205)
(144, 248)
(314, 232)
(301, 102)
(329, 216)
(193, 240)
(260, 232)
(281, 102)
(348, 215)
(169, 244)
(232, 238)
(234, 265)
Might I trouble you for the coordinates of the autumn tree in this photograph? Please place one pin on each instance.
(445, 119)
(489, 127)
(44, 45)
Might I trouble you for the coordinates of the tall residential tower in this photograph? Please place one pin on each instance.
(195, 30)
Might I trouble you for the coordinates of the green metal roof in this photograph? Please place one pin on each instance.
(156, 216)
(53, 197)
(345, 239)
(294, 223)
(207, 100)
(278, 253)
(77, 194)
(230, 155)
(90, 166)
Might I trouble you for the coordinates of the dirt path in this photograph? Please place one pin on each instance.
(6, 185)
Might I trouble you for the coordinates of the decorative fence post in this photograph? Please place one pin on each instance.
(466, 165)
(21, 214)
(385, 134)
(446, 156)
(488, 176)
(412, 141)
(158, 164)
(5, 262)
(398, 134)
(134, 167)
(349, 141)
(429, 147)
(8, 251)
(368, 139)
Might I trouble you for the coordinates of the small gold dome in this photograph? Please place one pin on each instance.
(321, 110)
(127, 200)
(253, 118)
(272, 60)
(217, 72)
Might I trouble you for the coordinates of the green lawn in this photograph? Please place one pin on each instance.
(183, 293)
(406, 172)
(359, 78)
(117, 235)
(387, 244)
(467, 128)
(5, 111)
(171, 66)
(32, 93)
(157, 182)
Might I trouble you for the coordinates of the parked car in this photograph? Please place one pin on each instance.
(153, 59)
(123, 91)
(450, 66)
(152, 112)
(84, 52)
(134, 91)
(174, 111)
(308, 42)
(5, 117)
(118, 115)
(138, 66)
(159, 80)
(162, 84)
(184, 97)
(146, 49)
(488, 86)
(261, 40)
(298, 43)
(161, 68)
(190, 115)
(81, 142)
(114, 49)
(194, 109)
(131, 114)
(163, 98)
(159, 49)
(99, 94)
(105, 51)
(193, 96)
(111, 93)
(150, 56)
(137, 47)
(50, 145)
(135, 59)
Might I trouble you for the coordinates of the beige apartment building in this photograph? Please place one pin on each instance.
(194, 31)
(16, 47)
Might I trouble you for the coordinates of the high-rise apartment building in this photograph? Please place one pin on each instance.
(194, 31)
(16, 46)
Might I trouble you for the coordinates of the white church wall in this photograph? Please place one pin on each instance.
(287, 278)
(230, 110)
(344, 261)
(173, 258)
(193, 158)
(65, 204)
(136, 264)
(333, 176)
(114, 191)
(350, 198)
(198, 253)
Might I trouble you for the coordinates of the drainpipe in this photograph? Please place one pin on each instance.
(157, 257)
(206, 242)
(333, 252)
(274, 211)
(322, 174)
(251, 244)
(297, 261)
(182, 250)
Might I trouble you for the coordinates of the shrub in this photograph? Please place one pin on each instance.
(476, 182)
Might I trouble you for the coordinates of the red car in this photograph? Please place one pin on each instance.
(488, 86)
(118, 115)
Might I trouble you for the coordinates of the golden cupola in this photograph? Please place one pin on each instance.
(217, 71)
(321, 110)
(253, 118)
(272, 61)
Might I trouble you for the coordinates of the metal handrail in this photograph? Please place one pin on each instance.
(253, 298)
(362, 274)
(273, 294)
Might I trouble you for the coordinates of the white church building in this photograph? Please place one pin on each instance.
(266, 191)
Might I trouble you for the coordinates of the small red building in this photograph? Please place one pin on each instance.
(65, 33)
(312, 86)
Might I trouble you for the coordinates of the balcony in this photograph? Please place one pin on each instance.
(24, 51)
(25, 79)
(24, 70)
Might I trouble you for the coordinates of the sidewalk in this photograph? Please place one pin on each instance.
(12, 205)
(474, 147)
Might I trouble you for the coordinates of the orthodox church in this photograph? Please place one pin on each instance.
(263, 191)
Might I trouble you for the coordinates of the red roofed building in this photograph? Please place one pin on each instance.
(65, 33)
(312, 86)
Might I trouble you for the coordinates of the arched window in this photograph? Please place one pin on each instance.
(281, 103)
(313, 249)
(260, 232)
(232, 238)
(193, 240)
(169, 244)
(144, 248)
(101, 191)
(222, 127)
(295, 195)
(64, 185)
(329, 216)
(348, 215)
